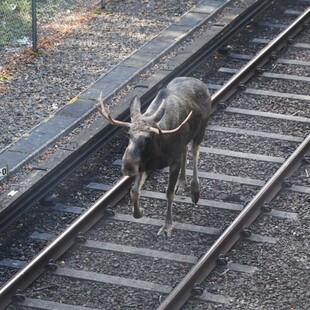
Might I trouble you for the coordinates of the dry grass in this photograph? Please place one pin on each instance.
(69, 24)
(54, 32)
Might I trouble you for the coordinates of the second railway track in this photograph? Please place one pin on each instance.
(121, 263)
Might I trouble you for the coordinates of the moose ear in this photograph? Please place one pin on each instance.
(135, 108)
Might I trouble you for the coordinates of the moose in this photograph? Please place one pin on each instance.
(159, 138)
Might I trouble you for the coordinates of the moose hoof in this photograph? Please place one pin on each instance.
(138, 213)
(181, 188)
(195, 197)
(195, 193)
(166, 229)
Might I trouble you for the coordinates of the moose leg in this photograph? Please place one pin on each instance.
(195, 194)
(136, 192)
(173, 177)
(182, 178)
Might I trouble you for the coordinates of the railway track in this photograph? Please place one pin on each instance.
(220, 18)
(121, 262)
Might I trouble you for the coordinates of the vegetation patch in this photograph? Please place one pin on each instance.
(16, 17)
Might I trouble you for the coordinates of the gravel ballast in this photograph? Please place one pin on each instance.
(74, 56)
(281, 277)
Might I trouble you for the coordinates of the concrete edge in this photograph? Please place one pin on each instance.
(26, 147)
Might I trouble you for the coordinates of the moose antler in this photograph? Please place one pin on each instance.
(160, 131)
(104, 111)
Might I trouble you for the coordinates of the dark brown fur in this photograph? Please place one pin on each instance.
(148, 150)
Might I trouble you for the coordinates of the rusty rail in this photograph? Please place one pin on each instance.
(28, 274)
(63, 242)
(260, 59)
(71, 162)
(183, 291)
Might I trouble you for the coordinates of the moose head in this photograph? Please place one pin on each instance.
(142, 130)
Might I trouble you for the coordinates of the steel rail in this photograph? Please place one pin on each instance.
(244, 19)
(260, 59)
(62, 243)
(38, 265)
(52, 178)
(183, 291)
